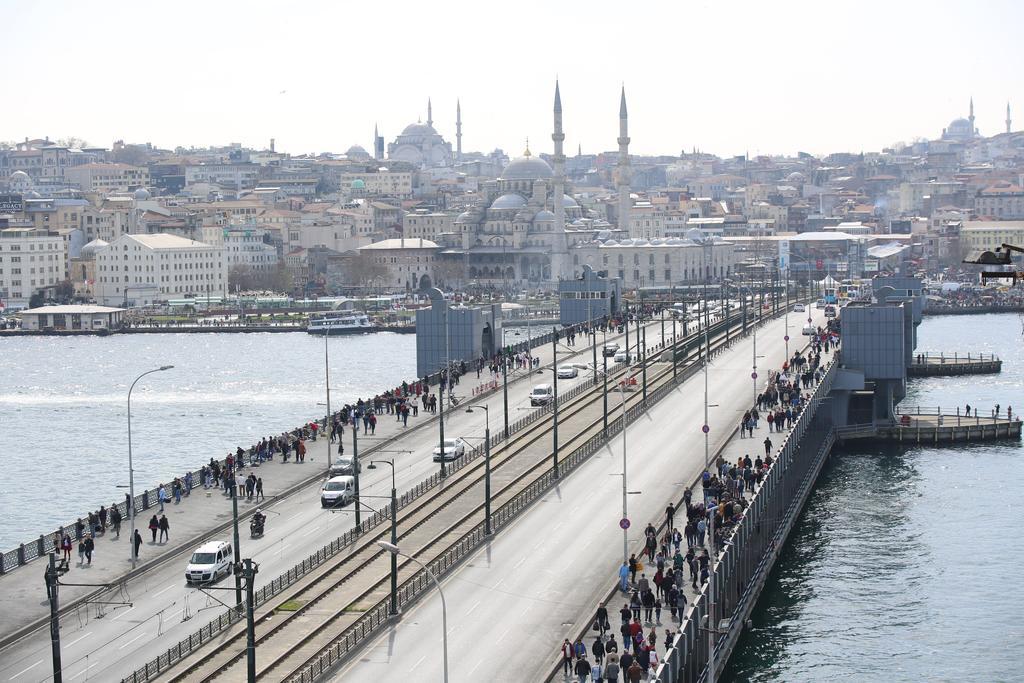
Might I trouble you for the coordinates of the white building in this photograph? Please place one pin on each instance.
(246, 247)
(30, 259)
(72, 317)
(106, 178)
(143, 269)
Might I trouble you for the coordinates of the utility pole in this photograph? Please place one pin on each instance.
(604, 374)
(234, 524)
(355, 466)
(711, 530)
(52, 584)
(674, 349)
(329, 422)
(250, 570)
(504, 385)
(554, 401)
(445, 376)
(643, 365)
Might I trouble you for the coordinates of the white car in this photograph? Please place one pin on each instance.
(622, 357)
(799, 308)
(567, 372)
(209, 562)
(453, 448)
(338, 491)
(820, 303)
(541, 395)
(809, 330)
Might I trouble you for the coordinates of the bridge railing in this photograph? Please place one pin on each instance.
(942, 358)
(978, 415)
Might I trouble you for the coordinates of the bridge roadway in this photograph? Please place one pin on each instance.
(510, 605)
(161, 609)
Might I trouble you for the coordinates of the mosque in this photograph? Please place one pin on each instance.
(961, 130)
(422, 146)
(518, 231)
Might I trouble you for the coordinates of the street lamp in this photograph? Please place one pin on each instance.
(394, 550)
(131, 469)
(487, 465)
(329, 422)
(393, 607)
(711, 530)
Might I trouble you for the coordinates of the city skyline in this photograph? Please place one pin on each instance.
(220, 79)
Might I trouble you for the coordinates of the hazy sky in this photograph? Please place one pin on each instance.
(724, 76)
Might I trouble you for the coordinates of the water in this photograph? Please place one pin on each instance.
(63, 408)
(903, 565)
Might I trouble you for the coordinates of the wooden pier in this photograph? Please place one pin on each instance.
(933, 364)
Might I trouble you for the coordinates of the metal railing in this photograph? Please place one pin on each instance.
(942, 358)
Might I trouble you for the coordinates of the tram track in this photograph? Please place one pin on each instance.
(319, 612)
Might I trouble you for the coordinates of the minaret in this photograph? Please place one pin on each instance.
(458, 131)
(430, 114)
(623, 171)
(559, 256)
(1008, 121)
(971, 117)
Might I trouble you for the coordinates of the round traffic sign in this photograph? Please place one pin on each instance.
(786, 338)
(624, 522)
(808, 318)
(753, 375)
(705, 429)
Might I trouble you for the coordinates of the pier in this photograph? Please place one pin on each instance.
(932, 364)
(914, 425)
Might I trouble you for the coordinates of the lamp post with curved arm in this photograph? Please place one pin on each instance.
(131, 469)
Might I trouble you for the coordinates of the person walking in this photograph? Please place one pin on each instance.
(567, 654)
(89, 547)
(81, 552)
(65, 546)
(138, 542)
(624, 578)
(767, 445)
(165, 528)
(259, 489)
(161, 495)
(602, 619)
(115, 520)
(597, 649)
(154, 526)
(670, 514)
(582, 669)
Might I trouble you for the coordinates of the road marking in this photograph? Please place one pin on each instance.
(416, 665)
(83, 671)
(24, 670)
(475, 605)
(131, 641)
(78, 639)
(173, 585)
(312, 530)
(521, 560)
(475, 667)
(122, 613)
(174, 614)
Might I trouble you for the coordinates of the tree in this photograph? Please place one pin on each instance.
(364, 271)
(277, 279)
(73, 142)
(448, 273)
(240, 278)
(37, 299)
(133, 155)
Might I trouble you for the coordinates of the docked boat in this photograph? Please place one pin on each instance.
(341, 324)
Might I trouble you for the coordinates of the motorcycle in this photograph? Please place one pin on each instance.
(256, 527)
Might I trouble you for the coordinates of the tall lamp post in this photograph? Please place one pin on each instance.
(394, 550)
(131, 469)
(393, 606)
(711, 530)
(329, 422)
(487, 465)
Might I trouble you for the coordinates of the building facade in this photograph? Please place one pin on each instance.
(139, 270)
(31, 259)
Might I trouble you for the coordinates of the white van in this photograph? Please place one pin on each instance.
(338, 491)
(541, 395)
(209, 562)
(809, 330)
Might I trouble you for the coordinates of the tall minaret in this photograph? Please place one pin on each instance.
(430, 114)
(971, 116)
(1008, 121)
(623, 171)
(458, 131)
(559, 257)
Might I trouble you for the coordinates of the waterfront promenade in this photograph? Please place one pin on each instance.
(538, 581)
(114, 639)
(929, 364)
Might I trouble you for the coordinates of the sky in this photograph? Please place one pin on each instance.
(725, 77)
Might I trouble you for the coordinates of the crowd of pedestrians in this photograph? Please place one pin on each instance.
(676, 556)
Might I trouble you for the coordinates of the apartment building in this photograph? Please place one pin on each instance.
(107, 178)
(138, 270)
(31, 259)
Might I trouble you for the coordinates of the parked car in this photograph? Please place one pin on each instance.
(210, 561)
(610, 349)
(453, 448)
(799, 308)
(541, 395)
(338, 491)
(567, 372)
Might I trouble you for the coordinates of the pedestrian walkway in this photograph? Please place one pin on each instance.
(660, 583)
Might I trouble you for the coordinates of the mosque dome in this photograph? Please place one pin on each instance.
(357, 152)
(568, 202)
(358, 184)
(419, 129)
(544, 215)
(796, 177)
(509, 201)
(90, 249)
(527, 168)
(959, 128)
(141, 194)
(466, 217)
(20, 176)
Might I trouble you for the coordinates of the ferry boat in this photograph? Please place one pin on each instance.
(341, 324)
